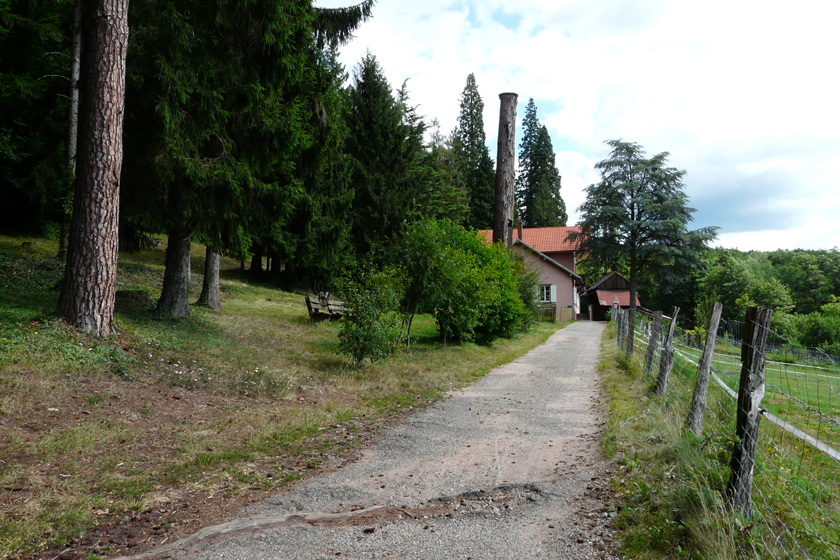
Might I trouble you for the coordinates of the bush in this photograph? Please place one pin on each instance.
(371, 326)
(476, 291)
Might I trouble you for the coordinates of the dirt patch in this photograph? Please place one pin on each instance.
(145, 439)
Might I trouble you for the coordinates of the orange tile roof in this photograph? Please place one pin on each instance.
(543, 239)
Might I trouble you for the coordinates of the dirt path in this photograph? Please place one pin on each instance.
(508, 467)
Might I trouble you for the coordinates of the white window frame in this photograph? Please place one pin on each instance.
(547, 293)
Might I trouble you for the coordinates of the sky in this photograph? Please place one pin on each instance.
(743, 95)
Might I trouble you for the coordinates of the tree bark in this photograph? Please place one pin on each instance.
(751, 390)
(210, 294)
(666, 362)
(72, 118)
(175, 293)
(505, 158)
(89, 286)
(653, 342)
(701, 388)
(256, 261)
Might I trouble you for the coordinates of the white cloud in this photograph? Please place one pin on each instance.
(743, 95)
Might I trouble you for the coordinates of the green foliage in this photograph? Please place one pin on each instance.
(822, 330)
(236, 109)
(472, 157)
(669, 484)
(385, 144)
(475, 290)
(809, 285)
(446, 196)
(335, 26)
(34, 85)
(371, 327)
(316, 240)
(638, 213)
(529, 278)
(538, 181)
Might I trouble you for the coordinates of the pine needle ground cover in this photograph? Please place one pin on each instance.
(113, 445)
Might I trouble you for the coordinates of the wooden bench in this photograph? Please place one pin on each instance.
(323, 306)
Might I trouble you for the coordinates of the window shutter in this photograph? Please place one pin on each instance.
(553, 293)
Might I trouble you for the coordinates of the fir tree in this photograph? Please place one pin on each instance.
(385, 141)
(34, 78)
(539, 203)
(472, 157)
(446, 195)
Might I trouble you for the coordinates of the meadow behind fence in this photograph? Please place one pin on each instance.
(789, 396)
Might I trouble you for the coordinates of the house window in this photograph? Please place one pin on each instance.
(545, 294)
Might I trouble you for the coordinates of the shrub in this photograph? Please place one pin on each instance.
(371, 326)
(475, 290)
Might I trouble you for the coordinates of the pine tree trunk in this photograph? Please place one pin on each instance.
(210, 295)
(175, 293)
(72, 118)
(89, 287)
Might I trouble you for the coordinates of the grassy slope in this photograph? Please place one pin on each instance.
(94, 429)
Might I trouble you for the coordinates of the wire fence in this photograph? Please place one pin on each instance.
(793, 500)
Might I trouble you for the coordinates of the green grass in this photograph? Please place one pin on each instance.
(669, 484)
(795, 497)
(218, 400)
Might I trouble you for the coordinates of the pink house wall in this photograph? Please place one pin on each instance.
(566, 258)
(551, 275)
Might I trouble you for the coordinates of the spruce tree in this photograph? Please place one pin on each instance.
(538, 199)
(472, 157)
(34, 77)
(389, 162)
(446, 195)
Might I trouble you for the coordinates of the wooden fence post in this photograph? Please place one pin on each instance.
(701, 389)
(653, 341)
(618, 314)
(750, 392)
(666, 361)
(623, 329)
(631, 331)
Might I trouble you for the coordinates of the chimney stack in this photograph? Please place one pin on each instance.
(519, 229)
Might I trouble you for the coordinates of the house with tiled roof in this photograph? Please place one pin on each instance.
(613, 290)
(556, 258)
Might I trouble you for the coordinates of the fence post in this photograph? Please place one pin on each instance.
(750, 392)
(619, 326)
(666, 360)
(653, 341)
(701, 389)
(631, 331)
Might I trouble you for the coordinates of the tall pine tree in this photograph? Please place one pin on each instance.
(472, 157)
(538, 180)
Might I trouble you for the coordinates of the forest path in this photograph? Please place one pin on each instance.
(508, 467)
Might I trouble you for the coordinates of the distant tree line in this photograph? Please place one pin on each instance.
(803, 288)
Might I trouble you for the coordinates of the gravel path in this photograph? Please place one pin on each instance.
(509, 467)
